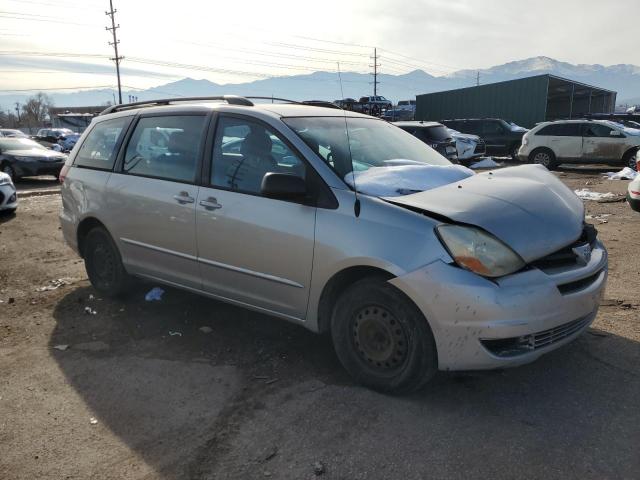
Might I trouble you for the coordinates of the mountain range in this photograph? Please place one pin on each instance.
(624, 78)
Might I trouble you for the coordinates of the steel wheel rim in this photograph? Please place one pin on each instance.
(379, 338)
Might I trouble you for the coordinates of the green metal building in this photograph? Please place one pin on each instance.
(525, 101)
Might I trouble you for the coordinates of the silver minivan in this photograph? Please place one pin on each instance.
(341, 223)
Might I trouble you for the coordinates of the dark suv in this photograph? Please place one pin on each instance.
(503, 138)
(435, 135)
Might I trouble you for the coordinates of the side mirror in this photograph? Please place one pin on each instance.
(283, 186)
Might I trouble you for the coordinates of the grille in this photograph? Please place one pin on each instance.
(481, 147)
(514, 346)
(572, 287)
(565, 257)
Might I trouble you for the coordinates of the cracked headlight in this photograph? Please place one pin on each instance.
(478, 251)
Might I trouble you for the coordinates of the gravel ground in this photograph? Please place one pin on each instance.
(138, 391)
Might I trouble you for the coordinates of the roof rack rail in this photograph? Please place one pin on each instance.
(273, 99)
(230, 99)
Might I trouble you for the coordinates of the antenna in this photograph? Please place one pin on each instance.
(356, 205)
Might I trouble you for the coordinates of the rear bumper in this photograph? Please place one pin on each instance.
(34, 168)
(467, 312)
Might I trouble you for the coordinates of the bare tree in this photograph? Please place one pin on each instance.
(36, 110)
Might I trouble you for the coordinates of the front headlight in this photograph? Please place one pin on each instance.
(478, 251)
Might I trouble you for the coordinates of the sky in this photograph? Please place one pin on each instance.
(50, 44)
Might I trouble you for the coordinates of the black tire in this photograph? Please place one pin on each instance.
(382, 339)
(629, 160)
(514, 152)
(8, 169)
(103, 263)
(545, 157)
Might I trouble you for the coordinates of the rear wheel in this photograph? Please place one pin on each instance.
(103, 263)
(545, 157)
(8, 169)
(514, 152)
(382, 339)
(630, 160)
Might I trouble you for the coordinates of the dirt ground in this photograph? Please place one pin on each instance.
(140, 392)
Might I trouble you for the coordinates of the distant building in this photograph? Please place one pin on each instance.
(525, 101)
(74, 118)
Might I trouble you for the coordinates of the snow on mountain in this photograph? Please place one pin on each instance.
(625, 79)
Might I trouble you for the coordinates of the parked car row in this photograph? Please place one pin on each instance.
(23, 157)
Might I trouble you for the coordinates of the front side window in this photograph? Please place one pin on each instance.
(492, 128)
(166, 147)
(99, 149)
(245, 151)
(597, 130)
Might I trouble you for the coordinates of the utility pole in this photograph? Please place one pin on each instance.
(478, 78)
(112, 13)
(375, 72)
(18, 111)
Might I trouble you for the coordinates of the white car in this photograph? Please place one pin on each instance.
(468, 146)
(580, 141)
(8, 196)
(633, 190)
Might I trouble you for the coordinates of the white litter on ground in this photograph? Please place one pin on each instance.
(625, 174)
(93, 421)
(586, 194)
(206, 329)
(54, 284)
(174, 334)
(399, 180)
(485, 163)
(62, 348)
(155, 294)
(89, 311)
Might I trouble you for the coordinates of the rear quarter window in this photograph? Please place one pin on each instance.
(100, 148)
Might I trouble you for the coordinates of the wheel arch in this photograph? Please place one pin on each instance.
(630, 152)
(336, 284)
(84, 227)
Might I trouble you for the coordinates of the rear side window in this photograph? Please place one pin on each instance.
(597, 130)
(99, 149)
(165, 147)
(560, 130)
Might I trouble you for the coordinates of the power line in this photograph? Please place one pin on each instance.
(112, 14)
(57, 88)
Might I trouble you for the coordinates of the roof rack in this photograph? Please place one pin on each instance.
(230, 99)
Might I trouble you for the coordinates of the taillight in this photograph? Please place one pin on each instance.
(63, 173)
(638, 163)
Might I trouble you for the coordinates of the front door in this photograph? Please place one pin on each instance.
(152, 198)
(252, 249)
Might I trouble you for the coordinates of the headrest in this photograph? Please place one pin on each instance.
(256, 143)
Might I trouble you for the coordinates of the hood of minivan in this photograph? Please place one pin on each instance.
(526, 207)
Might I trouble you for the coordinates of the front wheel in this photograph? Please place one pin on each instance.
(382, 339)
(631, 160)
(544, 157)
(514, 152)
(103, 263)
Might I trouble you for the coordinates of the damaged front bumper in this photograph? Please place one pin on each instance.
(482, 324)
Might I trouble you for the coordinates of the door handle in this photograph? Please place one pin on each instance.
(183, 197)
(210, 204)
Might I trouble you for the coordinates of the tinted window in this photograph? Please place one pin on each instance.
(492, 128)
(165, 147)
(437, 133)
(100, 147)
(597, 130)
(560, 130)
(474, 127)
(245, 151)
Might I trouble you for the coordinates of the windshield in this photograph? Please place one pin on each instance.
(625, 128)
(437, 133)
(376, 148)
(19, 144)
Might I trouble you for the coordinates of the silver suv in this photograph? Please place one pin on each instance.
(341, 223)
